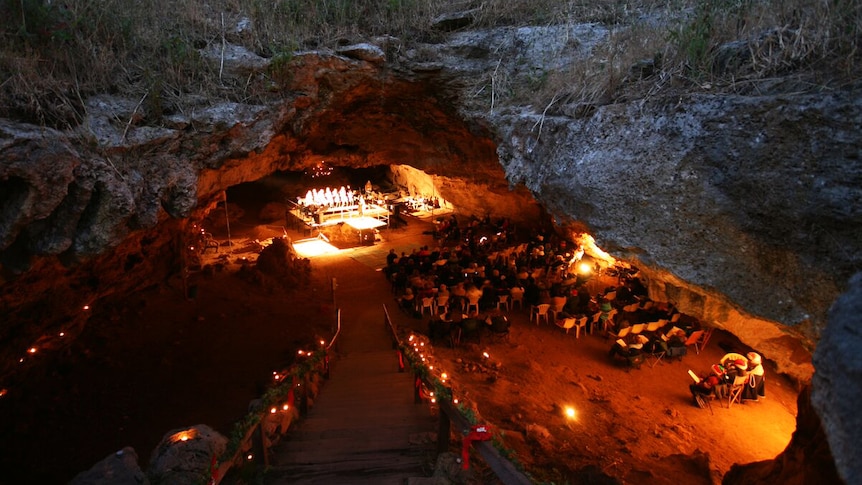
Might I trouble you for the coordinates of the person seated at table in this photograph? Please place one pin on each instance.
(707, 385)
(755, 390)
(630, 346)
(735, 368)
(443, 290)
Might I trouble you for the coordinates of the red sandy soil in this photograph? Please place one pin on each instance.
(157, 361)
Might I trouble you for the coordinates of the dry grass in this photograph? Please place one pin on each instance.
(55, 54)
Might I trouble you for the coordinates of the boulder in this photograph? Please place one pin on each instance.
(185, 456)
(120, 468)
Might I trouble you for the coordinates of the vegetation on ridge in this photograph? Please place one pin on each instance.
(56, 54)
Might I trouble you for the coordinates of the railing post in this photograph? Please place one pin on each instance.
(444, 428)
(303, 398)
(259, 448)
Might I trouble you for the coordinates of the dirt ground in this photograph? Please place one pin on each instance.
(158, 361)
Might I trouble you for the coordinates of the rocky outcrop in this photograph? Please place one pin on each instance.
(120, 468)
(807, 458)
(749, 199)
(186, 456)
(838, 381)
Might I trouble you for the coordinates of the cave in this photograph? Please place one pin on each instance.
(96, 237)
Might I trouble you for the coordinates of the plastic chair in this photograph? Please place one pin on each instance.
(428, 303)
(539, 311)
(473, 302)
(565, 323)
(442, 305)
(503, 301)
(580, 323)
(518, 298)
(638, 328)
(557, 305)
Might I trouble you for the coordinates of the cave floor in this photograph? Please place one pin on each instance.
(157, 362)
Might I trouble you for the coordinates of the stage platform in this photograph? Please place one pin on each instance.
(338, 214)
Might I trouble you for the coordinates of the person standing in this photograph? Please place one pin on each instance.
(755, 390)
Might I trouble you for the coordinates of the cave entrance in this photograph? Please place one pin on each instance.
(345, 206)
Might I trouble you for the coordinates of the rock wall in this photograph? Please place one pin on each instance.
(754, 200)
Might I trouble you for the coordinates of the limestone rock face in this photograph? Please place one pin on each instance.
(733, 194)
(838, 381)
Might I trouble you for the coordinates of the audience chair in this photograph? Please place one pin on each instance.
(539, 311)
(638, 328)
(736, 388)
(428, 303)
(565, 323)
(473, 303)
(631, 308)
(503, 301)
(519, 299)
(580, 324)
(442, 305)
(653, 326)
(557, 305)
(597, 319)
(622, 333)
(694, 339)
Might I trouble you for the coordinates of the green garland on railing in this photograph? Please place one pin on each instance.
(444, 392)
(273, 395)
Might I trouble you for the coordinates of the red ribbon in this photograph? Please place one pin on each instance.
(400, 361)
(214, 470)
(480, 432)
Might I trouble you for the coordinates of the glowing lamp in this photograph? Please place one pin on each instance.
(184, 435)
(485, 354)
(32, 350)
(285, 407)
(3, 392)
(249, 457)
(455, 400)
(570, 412)
(62, 334)
(322, 342)
(444, 376)
(584, 269)
(86, 307)
(273, 410)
